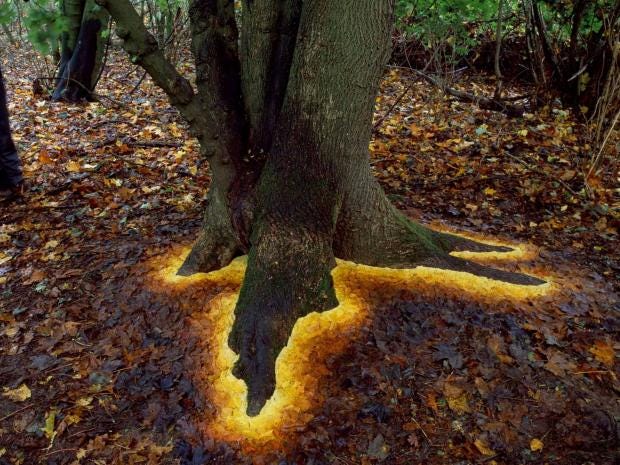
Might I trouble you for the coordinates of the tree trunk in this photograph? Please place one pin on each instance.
(285, 123)
(83, 47)
(10, 166)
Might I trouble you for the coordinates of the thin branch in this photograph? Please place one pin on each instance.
(143, 49)
(484, 102)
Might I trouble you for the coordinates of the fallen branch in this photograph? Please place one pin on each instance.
(542, 172)
(137, 143)
(499, 105)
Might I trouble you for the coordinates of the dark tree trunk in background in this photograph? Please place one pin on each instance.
(284, 117)
(82, 50)
(10, 168)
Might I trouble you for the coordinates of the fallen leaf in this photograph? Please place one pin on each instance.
(48, 429)
(19, 394)
(483, 447)
(378, 449)
(603, 352)
(457, 398)
(536, 445)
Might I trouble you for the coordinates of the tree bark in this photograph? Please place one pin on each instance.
(285, 123)
(83, 47)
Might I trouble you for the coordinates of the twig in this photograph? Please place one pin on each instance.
(137, 86)
(484, 102)
(387, 113)
(423, 432)
(72, 449)
(544, 173)
(134, 143)
(6, 417)
(589, 371)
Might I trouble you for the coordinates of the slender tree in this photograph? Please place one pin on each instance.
(283, 112)
(82, 49)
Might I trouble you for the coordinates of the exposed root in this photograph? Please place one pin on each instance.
(452, 243)
(290, 261)
(217, 243)
(288, 276)
(449, 262)
(211, 251)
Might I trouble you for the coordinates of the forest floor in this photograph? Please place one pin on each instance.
(97, 367)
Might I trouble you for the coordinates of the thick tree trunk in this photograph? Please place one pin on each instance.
(83, 47)
(285, 123)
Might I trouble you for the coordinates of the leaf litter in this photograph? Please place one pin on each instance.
(98, 369)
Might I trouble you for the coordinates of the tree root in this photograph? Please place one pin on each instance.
(449, 262)
(289, 273)
(210, 252)
(288, 276)
(217, 242)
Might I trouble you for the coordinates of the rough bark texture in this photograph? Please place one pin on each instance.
(83, 46)
(285, 123)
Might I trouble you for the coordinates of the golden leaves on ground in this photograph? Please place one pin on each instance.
(301, 364)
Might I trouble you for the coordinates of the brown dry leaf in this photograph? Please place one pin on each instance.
(431, 401)
(496, 344)
(35, 277)
(483, 447)
(603, 352)
(44, 157)
(559, 365)
(568, 175)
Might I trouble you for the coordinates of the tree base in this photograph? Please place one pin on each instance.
(288, 277)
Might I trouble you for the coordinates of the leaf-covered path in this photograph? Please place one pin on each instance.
(97, 367)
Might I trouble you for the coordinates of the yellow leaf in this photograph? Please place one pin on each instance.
(457, 398)
(48, 429)
(522, 132)
(174, 130)
(483, 447)
(84, 401)
(489, 191)
(536, 445)
(73, 166)
(51, 244)
(19, 394)
(459, 404)
(603, 352)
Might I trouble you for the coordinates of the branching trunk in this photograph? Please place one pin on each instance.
(83, 47)
(285, 123)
